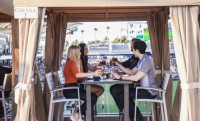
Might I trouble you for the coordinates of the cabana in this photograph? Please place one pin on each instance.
(184, 17)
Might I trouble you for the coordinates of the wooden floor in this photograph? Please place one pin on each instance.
(104, 118)
(101, 118)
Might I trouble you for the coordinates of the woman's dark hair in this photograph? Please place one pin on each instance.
(84, 58)
(141, 46)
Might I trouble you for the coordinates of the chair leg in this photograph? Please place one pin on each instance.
(161, 105)
(4, 106)
(51, 110)
(165, 111)
(121, 117)
(135, 110)
(79, 106)
(52, 113)
(152, 112)
(147, 111)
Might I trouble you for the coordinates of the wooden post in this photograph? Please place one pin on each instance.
(15, 61)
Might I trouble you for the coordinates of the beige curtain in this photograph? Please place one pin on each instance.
(28, 34)
(186, 36)
(55, 39)
(158, 30)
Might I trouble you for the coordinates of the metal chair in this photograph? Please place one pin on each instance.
(159, 99)
(60, 76)
(5, 87)
(59, 98)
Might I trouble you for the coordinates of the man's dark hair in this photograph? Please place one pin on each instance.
(141, 46)
(135, 39)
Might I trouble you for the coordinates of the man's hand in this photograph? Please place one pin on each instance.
(117, 63)
(115, 75)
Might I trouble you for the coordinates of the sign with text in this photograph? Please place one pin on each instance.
(136, 29)
(25, 12)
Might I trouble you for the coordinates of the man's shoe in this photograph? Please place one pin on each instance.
(140, 117)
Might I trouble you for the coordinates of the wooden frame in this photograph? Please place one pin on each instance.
(4, 17)
(100, 14)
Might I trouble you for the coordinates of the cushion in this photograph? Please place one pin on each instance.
(50, 81)
(61, 77)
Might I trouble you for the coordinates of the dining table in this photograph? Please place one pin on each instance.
(90, 81)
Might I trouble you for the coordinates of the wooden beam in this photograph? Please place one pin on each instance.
(5, 18)
(92, 14)
(106, 17)
(106, 10)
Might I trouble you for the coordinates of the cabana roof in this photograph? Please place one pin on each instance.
(7, 7)
(103, 3)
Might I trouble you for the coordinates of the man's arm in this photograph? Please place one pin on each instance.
(145, 67)
(134, 71)
(127, 63)
(135, 77)
(125, 70)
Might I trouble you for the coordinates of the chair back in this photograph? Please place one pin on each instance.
(165, 80)
(50, 81)
(7, 84)
(61, 77)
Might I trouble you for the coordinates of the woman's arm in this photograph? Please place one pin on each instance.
(92, 68)
(83, 75)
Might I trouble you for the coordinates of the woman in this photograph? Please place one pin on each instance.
(72, 72)
(97, 89)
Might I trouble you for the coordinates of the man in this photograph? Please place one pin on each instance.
(131, 62)
(145, 72)
(118, 89)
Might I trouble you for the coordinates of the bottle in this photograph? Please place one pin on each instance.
(112, 63)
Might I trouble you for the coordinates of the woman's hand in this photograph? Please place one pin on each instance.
(98, 73)
(115, 75)
(95, 68)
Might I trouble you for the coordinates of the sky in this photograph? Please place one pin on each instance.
(117, 29)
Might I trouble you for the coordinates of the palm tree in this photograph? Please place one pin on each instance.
(107, 31)
(75, 42)
(95, 30)
(82, 31)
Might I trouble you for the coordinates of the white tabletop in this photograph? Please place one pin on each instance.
(107, 81)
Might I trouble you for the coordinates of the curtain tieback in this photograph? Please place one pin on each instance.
(160, 71)
(186, 86)
(23, 86)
